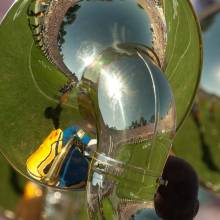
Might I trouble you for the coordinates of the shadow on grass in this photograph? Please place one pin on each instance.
(54, 114)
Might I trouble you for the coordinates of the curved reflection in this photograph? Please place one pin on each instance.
(60, 159)
(103, 30)
(72, 49)
(56, 84)
(134, 110)
(203, 121)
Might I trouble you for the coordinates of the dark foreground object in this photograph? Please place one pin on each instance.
(178, 200)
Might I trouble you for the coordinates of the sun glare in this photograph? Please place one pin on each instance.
(114, 86)
(87, 55)
(88, 60)
(114, 93)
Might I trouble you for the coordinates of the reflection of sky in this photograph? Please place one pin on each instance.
(100, 23)
(211, 68)
(126, 92)
(200, 5)
(137, 95)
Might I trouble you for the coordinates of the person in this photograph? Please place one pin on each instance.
(178, 198)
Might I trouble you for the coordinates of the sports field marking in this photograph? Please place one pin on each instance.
(36, 84)
(20, 8)
(185, 51)
(175, 38)
(33, 78)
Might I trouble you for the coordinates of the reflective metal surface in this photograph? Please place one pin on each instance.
(135, 116)
(73, 38)
(202, 126)
(76, 71)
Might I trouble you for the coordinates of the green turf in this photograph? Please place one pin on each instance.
(29, 85)
(150, 156)
(8, 196)
(182, 64)
(188, 144)
(183, 54)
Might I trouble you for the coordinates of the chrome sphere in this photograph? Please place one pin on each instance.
(135, 116)
(54, 119)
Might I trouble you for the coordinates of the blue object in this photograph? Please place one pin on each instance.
(75, 167)
(85, 139)
(68, 133)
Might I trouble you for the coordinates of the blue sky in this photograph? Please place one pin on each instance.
(211, 67)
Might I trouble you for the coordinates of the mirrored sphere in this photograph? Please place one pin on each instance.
(135, 116)
(50, 120)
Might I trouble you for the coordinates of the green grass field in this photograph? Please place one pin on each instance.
(30, 84)
(8, 196)
(183, 54)
(202, 151)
